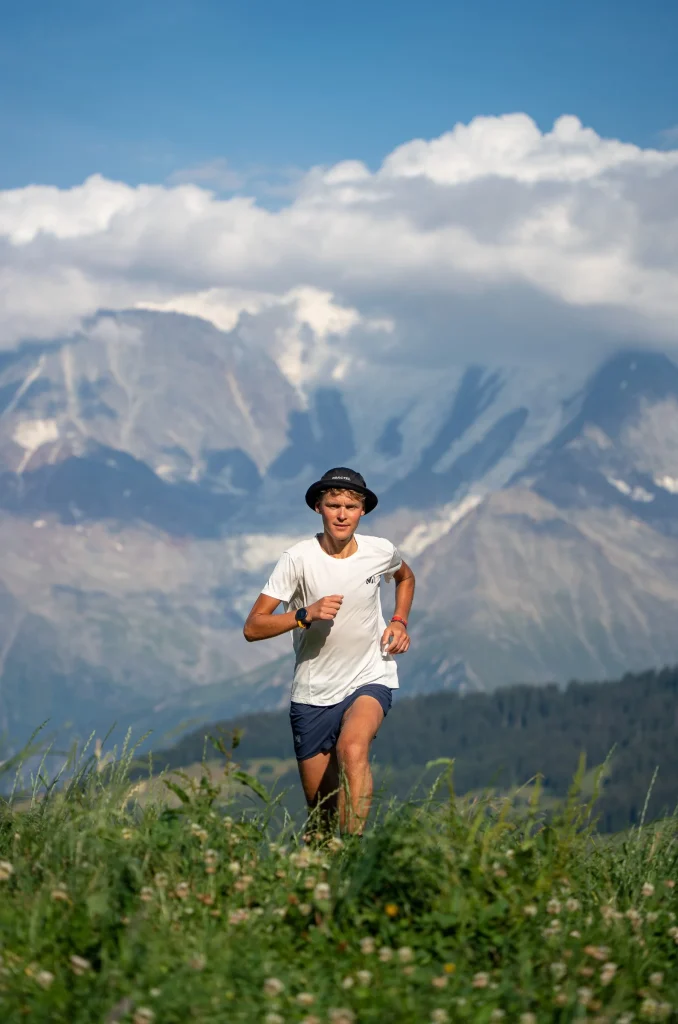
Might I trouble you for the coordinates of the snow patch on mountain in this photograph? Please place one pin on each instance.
(31, 434)
(423, 535)
(634, 493)
(668, 483)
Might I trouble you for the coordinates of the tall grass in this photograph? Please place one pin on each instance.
(462, 910)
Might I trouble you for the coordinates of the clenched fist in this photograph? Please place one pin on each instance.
(324, 609)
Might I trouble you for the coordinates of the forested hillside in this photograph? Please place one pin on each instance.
(503, 739)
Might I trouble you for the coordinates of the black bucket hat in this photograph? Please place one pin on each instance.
(344, 479)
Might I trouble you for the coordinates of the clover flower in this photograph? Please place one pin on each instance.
(385, 954)
(322, 891)
(367, 945)
(341, 1016)
(143, 1015)
(199, 833)
(364, 978)
(648, 889)
(584, 996)
(302, 859)
(238, 916)
(405, 955)
(305, 999)
(6, 870)
(607, 973)
(597, 952)
(440, 981)
(44, 978)
(273, 987)
(79, 965)
(439, 1016)
(480, 980)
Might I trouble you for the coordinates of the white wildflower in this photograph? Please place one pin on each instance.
(273, 987)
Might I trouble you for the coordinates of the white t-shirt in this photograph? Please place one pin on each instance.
(334, 658)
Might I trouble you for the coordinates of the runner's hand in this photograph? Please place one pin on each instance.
(400, 642)
(326, 608)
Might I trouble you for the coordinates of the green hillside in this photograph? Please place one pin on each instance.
(123, 911)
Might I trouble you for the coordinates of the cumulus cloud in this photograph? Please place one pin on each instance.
(495, 238)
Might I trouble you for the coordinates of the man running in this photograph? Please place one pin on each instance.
(344, 673)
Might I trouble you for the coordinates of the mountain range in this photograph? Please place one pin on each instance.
(152, 468)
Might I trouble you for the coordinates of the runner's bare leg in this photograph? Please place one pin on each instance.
(359, 726)
(320, 782)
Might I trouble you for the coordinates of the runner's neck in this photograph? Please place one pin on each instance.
(337, 549)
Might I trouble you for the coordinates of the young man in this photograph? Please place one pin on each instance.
(344, 673)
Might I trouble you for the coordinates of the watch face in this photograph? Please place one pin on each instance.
(301, 615)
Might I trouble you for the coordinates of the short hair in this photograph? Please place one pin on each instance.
(333, 491)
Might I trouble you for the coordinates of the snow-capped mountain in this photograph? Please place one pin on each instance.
(152, 468)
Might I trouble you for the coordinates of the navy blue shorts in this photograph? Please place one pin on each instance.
(315, 727)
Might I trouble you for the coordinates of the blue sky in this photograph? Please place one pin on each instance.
(140, 90)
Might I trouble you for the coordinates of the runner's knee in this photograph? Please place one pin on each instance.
(352, 750)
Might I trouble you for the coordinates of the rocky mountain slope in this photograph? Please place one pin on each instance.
(152, 467)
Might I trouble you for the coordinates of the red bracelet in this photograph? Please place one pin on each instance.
(397, 618)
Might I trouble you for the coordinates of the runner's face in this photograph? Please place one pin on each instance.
(341, 514)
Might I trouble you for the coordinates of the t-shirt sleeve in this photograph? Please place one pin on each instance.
(284, 579)
(394, 565)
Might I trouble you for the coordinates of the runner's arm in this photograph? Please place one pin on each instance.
(404, 581)
(262, 623)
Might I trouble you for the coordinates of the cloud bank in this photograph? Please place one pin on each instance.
(495, 238)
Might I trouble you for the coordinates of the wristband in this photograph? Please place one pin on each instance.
(397, 618)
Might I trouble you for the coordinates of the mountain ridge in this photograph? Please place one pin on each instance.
(152, 470)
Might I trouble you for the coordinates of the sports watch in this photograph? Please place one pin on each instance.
(301, 615)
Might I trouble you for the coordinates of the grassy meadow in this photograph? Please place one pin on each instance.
(178, 902)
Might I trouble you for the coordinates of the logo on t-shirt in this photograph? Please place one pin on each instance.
(372, 579)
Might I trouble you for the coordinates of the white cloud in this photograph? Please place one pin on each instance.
(493, 236)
